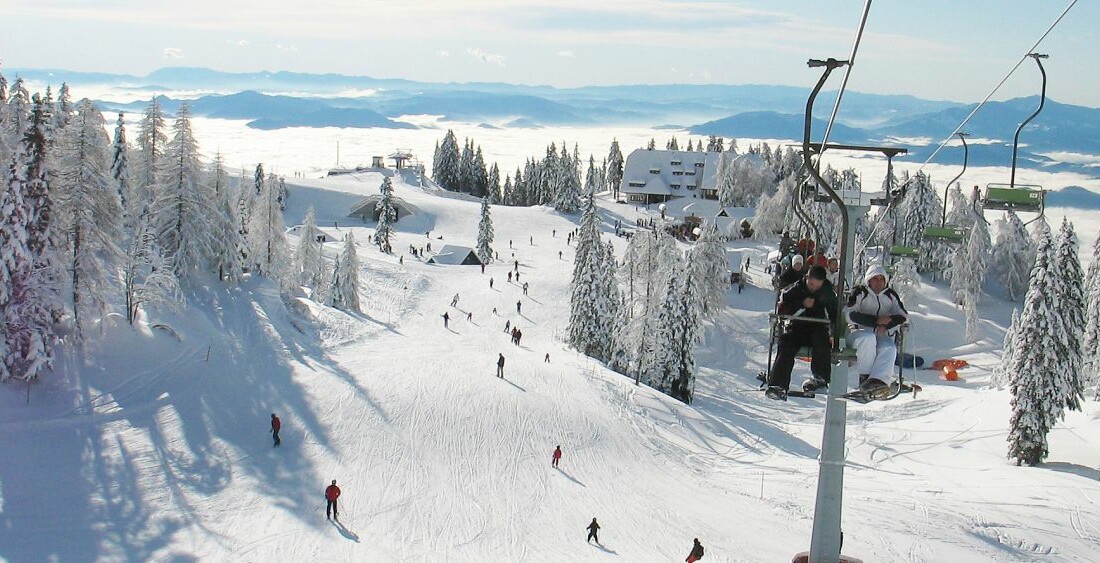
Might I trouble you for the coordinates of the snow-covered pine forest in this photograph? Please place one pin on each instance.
(156, 308)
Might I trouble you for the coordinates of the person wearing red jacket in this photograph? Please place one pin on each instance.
(696, 552)
(276, 424)
(332, 492)
(556, 458)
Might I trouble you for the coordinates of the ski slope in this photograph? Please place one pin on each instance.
(153, 443)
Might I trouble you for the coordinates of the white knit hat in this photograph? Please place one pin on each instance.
(875, 270)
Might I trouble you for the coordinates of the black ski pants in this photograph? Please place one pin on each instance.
(330, 509)
(592, 535)
(275, 434)
(817, 338)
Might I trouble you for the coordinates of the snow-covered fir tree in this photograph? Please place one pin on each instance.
(592, 177)
(225, 253)
(445, 168)
(708, 269)
(1012, 256)
(921, 209)
(495, 194)
(1072, 305)
(16, 270)
(309, 262)
(147, 280)
(151, 143)
(1038, 399)
(270, 251)
(485, 234)
(568, 185)
(588, 317)
(64, 110)
(906, 282)
(242, 217)
(774, 212)
(387, 215)
(183, 204)
(614, 169)
(1090, 340)
(343, 292)
(1001, 371)
(33, 305)
(120, 163)
(479, 177)
(90, 211)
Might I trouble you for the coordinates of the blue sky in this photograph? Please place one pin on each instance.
(937, 49)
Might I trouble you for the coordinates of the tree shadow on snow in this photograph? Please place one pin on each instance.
(1065, 467)
(176, 425)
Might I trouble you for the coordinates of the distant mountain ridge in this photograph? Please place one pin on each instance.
(754, 111)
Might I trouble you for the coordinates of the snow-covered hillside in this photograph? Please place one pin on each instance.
(153, 444)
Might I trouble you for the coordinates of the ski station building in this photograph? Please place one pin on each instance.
(453, 255)
(655, 176)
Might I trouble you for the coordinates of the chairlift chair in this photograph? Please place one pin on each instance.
(1018, 198)
(949, 235)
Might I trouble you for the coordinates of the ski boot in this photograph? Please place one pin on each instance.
(776, 392)
(813, 385)
(875, 389)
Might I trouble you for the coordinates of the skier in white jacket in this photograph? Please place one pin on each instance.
(877, 311)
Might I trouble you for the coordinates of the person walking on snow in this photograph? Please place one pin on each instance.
(509, 277)
(490, 283)
(547, 358)
(470, 316)
(454, 301)
(500, 366)
(696, 552)
(878, 311)
(556, 457)
(593, 528)
(332, 492)
(507, 325)
(525, 288)
(519, 305)
(446, 318)
(276, 424)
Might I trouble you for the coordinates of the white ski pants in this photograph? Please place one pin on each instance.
(875, 354)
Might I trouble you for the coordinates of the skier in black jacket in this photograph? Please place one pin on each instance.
(806, 299)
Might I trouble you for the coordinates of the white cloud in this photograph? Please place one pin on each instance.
(567, 54)
(444, 53)
(173, 53)
(237, 42)
(286, 48)
(485, 57)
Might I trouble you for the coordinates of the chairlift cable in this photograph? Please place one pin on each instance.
(998, 86)
(847, 73)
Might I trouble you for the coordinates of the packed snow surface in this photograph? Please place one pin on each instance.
(152, 443)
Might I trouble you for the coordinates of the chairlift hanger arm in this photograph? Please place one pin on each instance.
(966, 157)
(890, 152)
(1042, 101)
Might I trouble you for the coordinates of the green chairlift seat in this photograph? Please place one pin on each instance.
(904, 252)
(1017, 198)
(951, 235)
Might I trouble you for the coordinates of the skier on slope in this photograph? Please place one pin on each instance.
(454, 301)
(332, 492)
(593, 530)
(878, 311)
(500, 366)
(446, 319)
(519, 306)
(556, 457)
(696, 552)
(276, 424)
